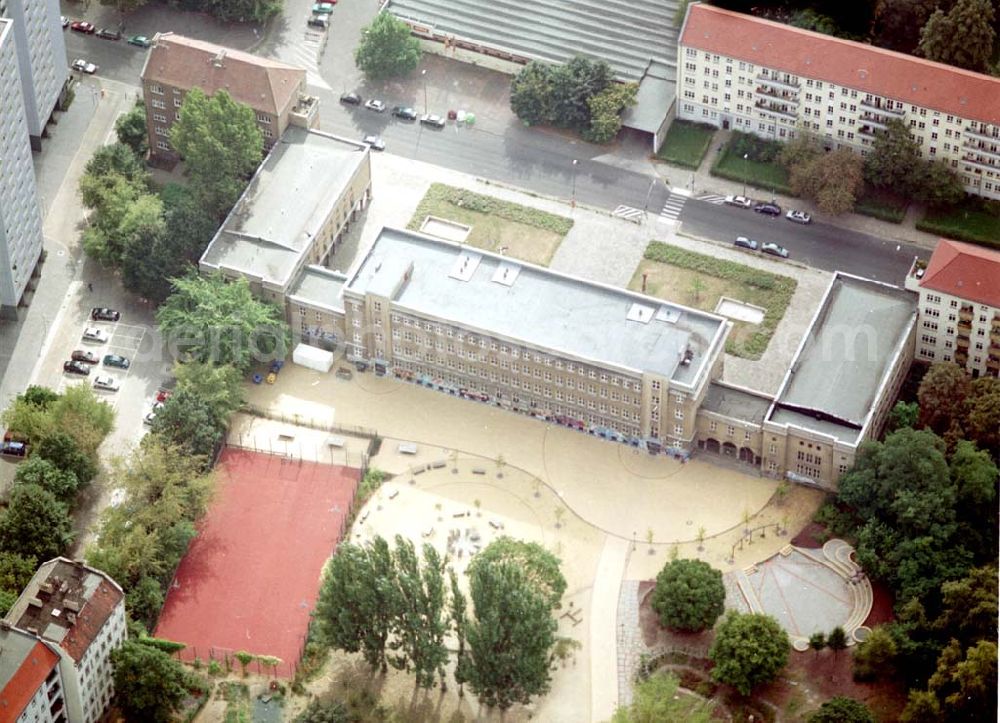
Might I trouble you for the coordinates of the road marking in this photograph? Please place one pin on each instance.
(672, 208)
(634, 215)
(712, 198)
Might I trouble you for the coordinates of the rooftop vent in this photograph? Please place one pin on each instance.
(506, 274)
(34, 602)
(46, 587)
(640, 313)
(668, 314)
(56, 613)
(71, 605)
(465, 265)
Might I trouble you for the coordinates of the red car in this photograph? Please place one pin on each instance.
(163, 395)
(82, 26)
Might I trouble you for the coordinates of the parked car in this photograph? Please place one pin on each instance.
(105, 382)
(81, 26)
(375, 105)
(88, 357)
(324, 8)
(109, 34)
(98, 336)
(741, 201)
(151, 415)
(375, 143)
(116, 360)
(318, 21)
(75, 367)
(140, 41)
(350, 99)
(746, 243)
(774, 249)
(82, 66)
(100, 313)
(163, 395)
(404, 112)
(64, 21)
(434, 121)
(14, 449)
(769, 209)
(798, 217)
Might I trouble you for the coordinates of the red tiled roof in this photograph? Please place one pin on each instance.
(261, 83)
(855, 65)
(963, 270)
(23, 685)
(91, 619)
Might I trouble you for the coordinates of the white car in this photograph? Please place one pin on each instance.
(375, 142)
(798, 217)
(82, 66)
(741, 201)
(98, 336)
(108, 384)
(375, 105)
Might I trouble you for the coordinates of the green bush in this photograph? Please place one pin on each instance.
(492, 206)
(976, 221)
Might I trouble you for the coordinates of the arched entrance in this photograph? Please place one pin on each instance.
(712, 445)
(728, 449)
(746, 455)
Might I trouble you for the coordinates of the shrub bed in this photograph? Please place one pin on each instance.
(686, 144)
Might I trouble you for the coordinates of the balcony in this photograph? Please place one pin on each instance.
(976, 147)
(305, 113)
(995, 334)
(775, 108)
(980, 162)
(780, 95)
(962, 342)
(868, 131)
(875, 108)
(872, 120)
(966, 313)
(776, 83)
(993, 363)
(975, 132)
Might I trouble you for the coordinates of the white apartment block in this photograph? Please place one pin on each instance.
(80, 613)
(20, 218)
(41, 58)
(959, 307)
(757, 76)
(31, 689)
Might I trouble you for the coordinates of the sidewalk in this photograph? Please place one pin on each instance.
(704, 182)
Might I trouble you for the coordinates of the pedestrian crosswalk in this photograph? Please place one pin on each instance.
(305, 54)
(635, 215)
(712, 198)
(674, 205)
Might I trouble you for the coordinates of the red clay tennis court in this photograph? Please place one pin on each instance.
(250, 577)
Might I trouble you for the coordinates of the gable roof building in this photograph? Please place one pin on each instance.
(774, 80)
(30, 685)
(959, 306)
(175, 64)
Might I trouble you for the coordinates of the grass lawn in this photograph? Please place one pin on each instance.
(237, 697)
(970, 222)
(765, 176)
(696, 280)
(686, 144)
(881, 205)
(527, 233)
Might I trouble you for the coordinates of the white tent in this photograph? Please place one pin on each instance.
(312, 357)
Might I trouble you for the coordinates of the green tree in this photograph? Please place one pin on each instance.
(969, 607)
(149, 684)
(922, 706)
(975, 477)
(541, 567)
(221, 145)
(420, 624)
(387, 49)
(219, 387)
(748, 649)
(113, 180)
(130, 129)
(963, 36)
(86, 417)
(817, 641)
(459, 623)
(243, 11)
(573, 85)
(124, 6)
(15, 573)
(210, 320)
(936, 184)
(144, 600)
(897, 23)
(904, 414)
(39, 396)
(942, 395)
(967, 687)
(606, 111)
(841, 709)
(836, 640)
(531, 94)
(65, 453)
(689, 595)
(982, 414)
(324, 711)
(35, 524)
(511, 636)
(893, 159)
(874, 656)
(189, 422)
(357, 601)
(833, 180)
(656, 700)
(63, 484)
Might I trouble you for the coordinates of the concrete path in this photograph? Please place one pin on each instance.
(603, 629)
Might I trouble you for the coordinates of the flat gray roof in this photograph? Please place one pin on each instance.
(625, 33)
(846, 355)
(540, 307)
(736, 403)
(657, 91)
(319, 286)
(272, 226)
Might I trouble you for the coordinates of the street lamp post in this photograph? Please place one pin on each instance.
(573, 202)
(423, 76)
(746, 156)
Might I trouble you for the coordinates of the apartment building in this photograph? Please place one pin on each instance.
(773, 80)
(175, 64)
(294, 213)
(30, 683)
(20, 217)
(79, 612)
(959, 306)
(41, 59)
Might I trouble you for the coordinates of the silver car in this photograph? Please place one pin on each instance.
(769, 247)
(798, 217)
(107, 383)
